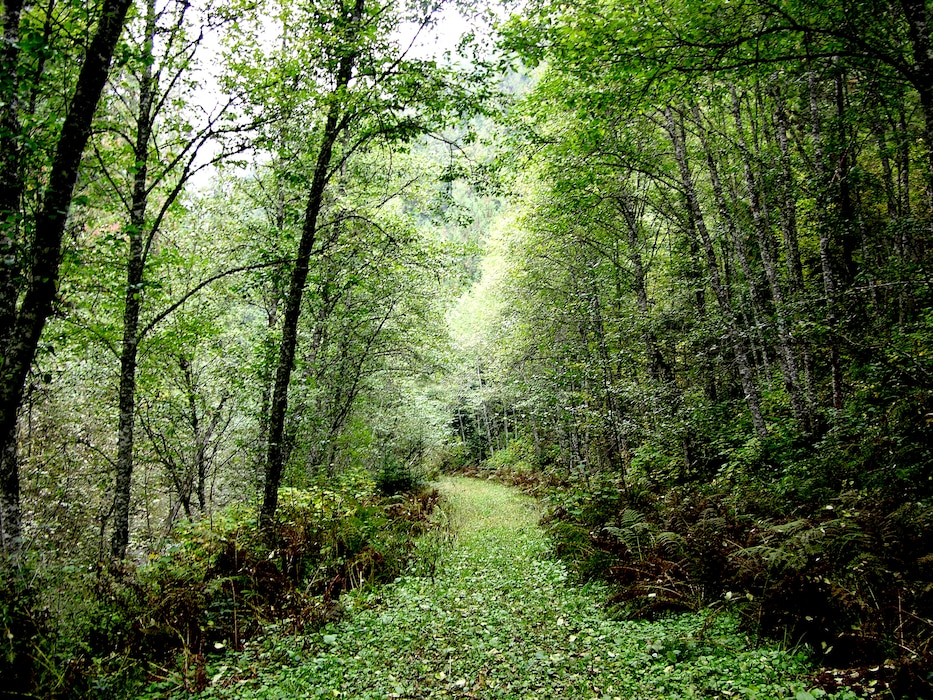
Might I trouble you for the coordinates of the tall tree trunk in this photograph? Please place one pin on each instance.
(23, 326)
(758, 302)
(758, 208)
(135, 265)
(719, 290)
(919, 24)
(788, 196)
(335, 123)
(659, 370)
(617, 452)
(845, 202)
(826, 267)
(791, 238)
(199, 434)
(903, 243)
(266, 374)
(266, 387)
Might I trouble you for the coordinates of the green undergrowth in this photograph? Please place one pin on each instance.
(848, 576)
(488, 612)
(216, 586)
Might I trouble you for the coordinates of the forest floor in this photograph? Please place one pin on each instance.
(487, 612)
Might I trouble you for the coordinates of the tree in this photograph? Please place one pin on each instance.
(790, 129)
(163, 149)
(31, 239)
(374, 93)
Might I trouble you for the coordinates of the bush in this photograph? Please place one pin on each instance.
(218, 583)
(850, 578)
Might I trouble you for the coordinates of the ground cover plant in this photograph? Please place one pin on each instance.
(849, 578)
(498, 617)
(666, 264)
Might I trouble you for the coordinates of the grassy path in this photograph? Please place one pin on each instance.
(499, 620)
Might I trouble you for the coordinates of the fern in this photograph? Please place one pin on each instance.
(671, 543)
(637, 534)
(798, 543)
(764, 556)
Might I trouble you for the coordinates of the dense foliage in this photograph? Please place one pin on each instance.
(247, 296)
(709, 336)
(501, 619)
(665, 263)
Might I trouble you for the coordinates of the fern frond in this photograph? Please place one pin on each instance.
(671, 543)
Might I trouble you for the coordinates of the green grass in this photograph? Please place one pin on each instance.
(494, 616)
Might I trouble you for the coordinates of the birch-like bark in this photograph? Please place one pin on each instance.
(826, 267)
(720, 291)
(788, 197)
(759, 310)
(758, 207)
(791, 238)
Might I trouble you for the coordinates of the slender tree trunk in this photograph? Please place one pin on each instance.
(333, 126)
(758, 302)
(904, 142)
(618, 444)
(487, 423)
(845, 202)
(535, 432)
(460, 424)
(10, 517)
(23, 326)
(135, 265)
(791, 238)
(200, 435)
(266, 373)
(788, 197)
(826, 267)
(719, 290)
(757, 205)
(659, 370)
(919, 22)
(887, 171)
(903, 244)
(265, 400)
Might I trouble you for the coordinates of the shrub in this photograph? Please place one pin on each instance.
(216, 584)
(851, 578)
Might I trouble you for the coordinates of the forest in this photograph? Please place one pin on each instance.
(322, 318)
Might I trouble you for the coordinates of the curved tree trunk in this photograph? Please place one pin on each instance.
(337, 121)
